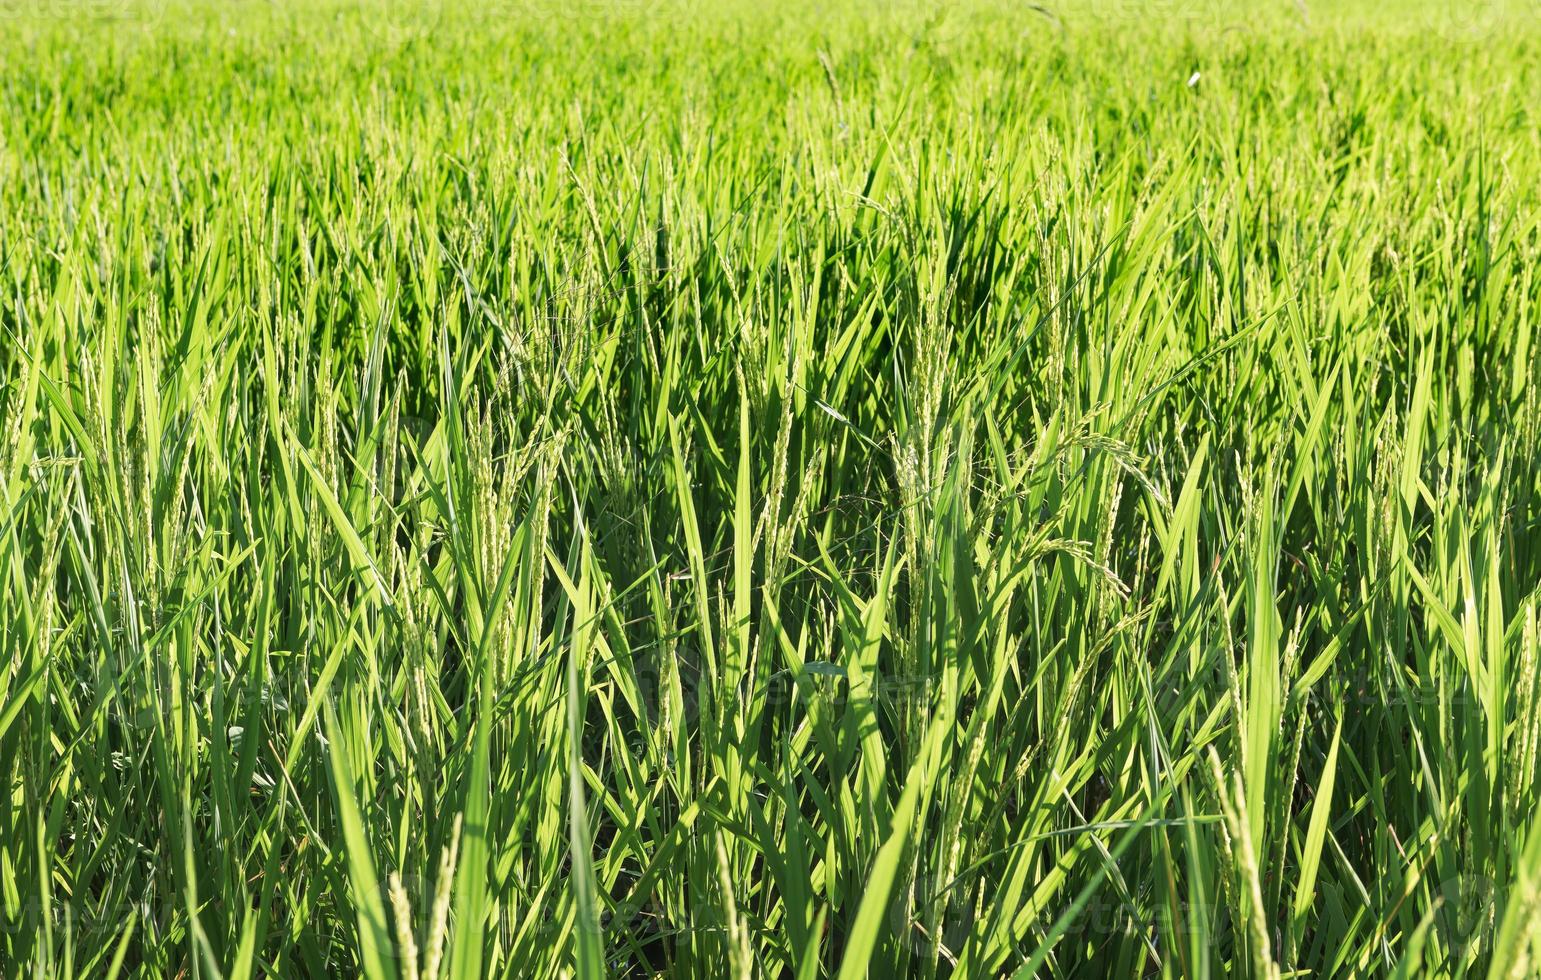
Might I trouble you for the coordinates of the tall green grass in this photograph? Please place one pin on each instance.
(973, 489)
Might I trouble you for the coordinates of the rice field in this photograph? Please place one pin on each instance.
(803, 490)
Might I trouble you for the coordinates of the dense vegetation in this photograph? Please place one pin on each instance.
(649, 487)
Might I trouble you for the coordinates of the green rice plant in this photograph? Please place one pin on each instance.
(812, 490)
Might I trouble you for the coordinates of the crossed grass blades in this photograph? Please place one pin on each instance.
(769, 491)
